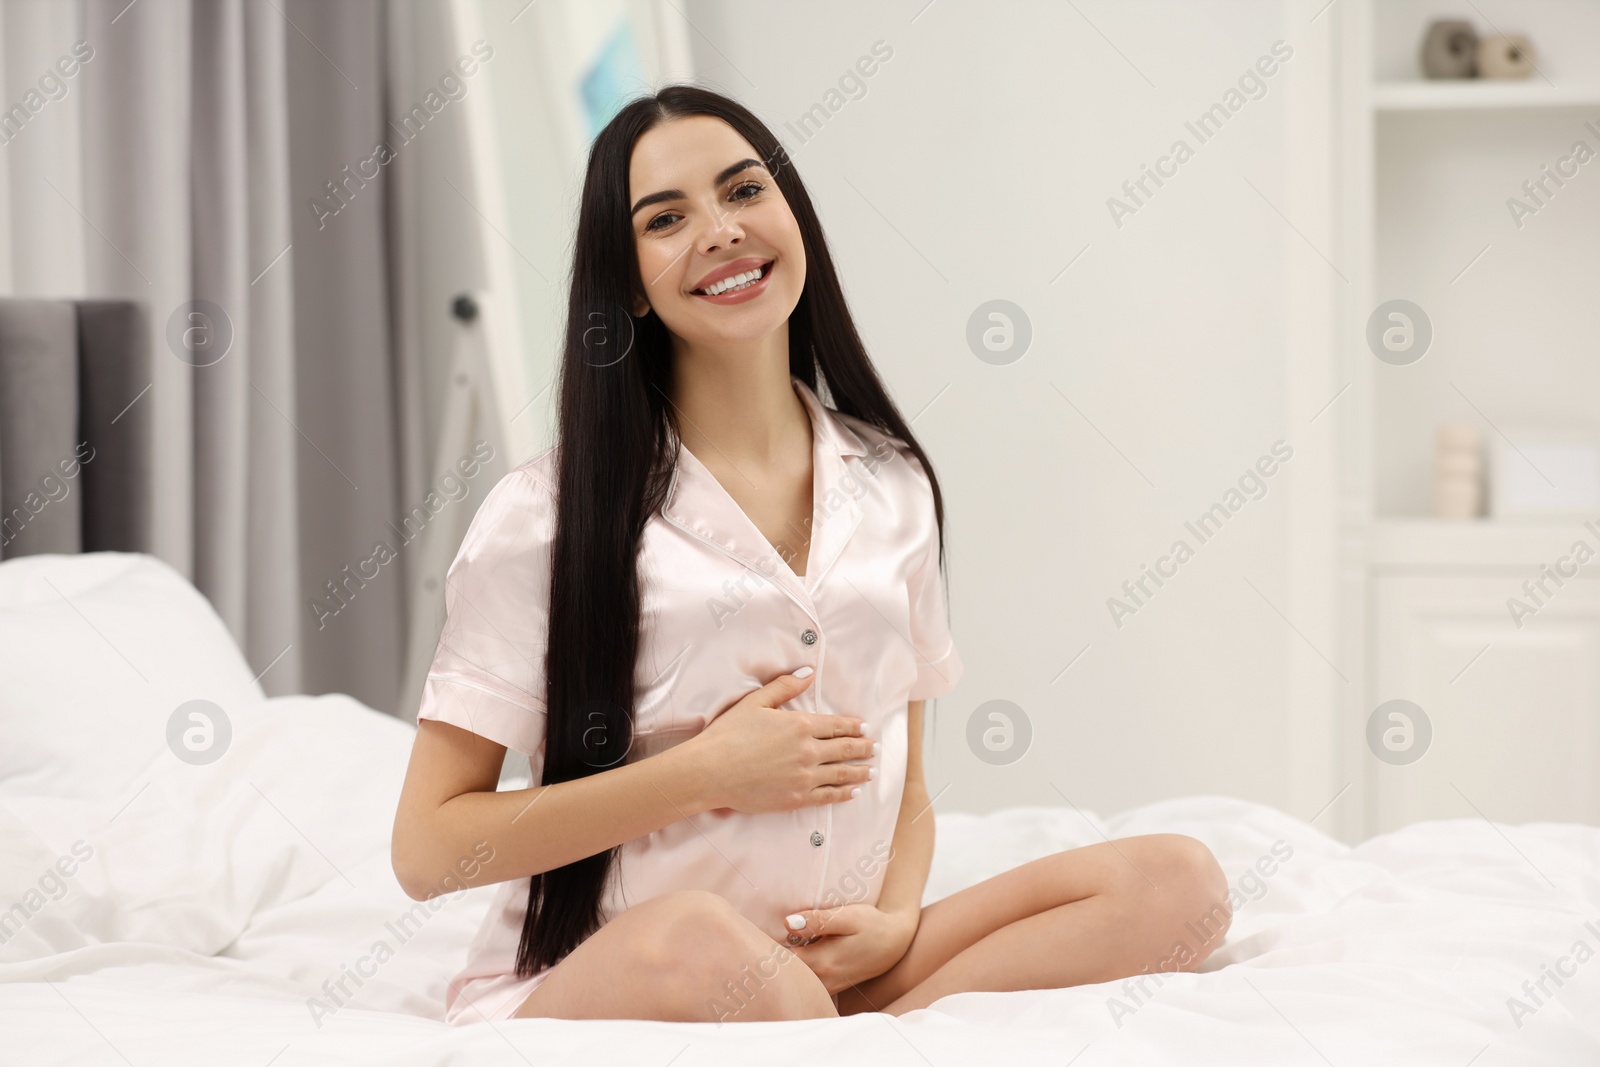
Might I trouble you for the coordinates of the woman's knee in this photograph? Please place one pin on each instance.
(711, 963)
(1169, 891)
(1190, 894)
(692, 939)
(665, 958)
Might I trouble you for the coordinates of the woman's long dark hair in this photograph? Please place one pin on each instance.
(617, 450)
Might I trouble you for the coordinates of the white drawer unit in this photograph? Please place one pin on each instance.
(1513, 710)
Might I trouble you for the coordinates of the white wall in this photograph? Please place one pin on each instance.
(977, 166)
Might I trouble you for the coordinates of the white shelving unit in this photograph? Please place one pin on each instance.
(1478, 95)
(1426, 171)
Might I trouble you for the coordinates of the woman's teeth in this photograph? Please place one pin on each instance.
(738, 281)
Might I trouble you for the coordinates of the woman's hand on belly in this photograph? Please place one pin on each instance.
(853, 942)
(758, 756)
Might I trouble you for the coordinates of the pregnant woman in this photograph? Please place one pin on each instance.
(710, 616)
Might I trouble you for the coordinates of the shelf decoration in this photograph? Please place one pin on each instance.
(1506, 56)
(1545, 472)
(1457, 471)
(1450, 49)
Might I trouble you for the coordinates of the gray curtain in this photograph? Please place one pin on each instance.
(74, 439)
(178, 169)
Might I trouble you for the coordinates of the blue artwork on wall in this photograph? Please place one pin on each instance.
(615, 77)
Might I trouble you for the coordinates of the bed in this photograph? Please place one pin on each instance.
(238, 907)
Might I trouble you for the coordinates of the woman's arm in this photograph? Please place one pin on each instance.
(911, 853)
(453, 831)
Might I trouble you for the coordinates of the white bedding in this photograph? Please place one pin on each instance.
(211, 904)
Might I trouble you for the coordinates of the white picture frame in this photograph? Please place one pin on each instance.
(1544, 472)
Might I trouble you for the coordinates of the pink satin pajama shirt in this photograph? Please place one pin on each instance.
(721, 614)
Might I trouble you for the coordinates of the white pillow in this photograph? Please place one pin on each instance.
(304, 795)
(96, 653)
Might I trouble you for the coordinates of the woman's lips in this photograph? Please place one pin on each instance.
(750, 292)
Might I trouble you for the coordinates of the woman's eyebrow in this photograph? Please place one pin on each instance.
(678, 194)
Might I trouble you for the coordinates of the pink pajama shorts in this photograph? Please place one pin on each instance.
(493, 999)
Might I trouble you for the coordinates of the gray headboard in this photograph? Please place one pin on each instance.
(75, 429)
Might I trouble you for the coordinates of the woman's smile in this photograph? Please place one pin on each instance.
(746, 285)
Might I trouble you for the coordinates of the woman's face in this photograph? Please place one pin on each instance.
(703, 202)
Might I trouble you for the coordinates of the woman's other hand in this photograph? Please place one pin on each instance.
(847, 945)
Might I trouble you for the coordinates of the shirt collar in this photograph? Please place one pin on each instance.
(841, 438)
(698, 504)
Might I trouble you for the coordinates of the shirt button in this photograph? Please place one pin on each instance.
(816, 838)
(809, 636)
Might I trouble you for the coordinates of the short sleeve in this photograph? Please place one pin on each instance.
(488, 674)
(939, 665)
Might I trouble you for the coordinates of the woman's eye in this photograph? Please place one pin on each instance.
(667, 218)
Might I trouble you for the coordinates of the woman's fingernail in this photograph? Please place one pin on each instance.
(872, 772)
(803, 672)
(875, 747)
(866, 729)
(855, 791)
(796, 922)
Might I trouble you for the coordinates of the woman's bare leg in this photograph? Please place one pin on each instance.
(681, 957)
(1156, 902)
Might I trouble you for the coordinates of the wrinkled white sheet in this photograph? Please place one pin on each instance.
(215, 902)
